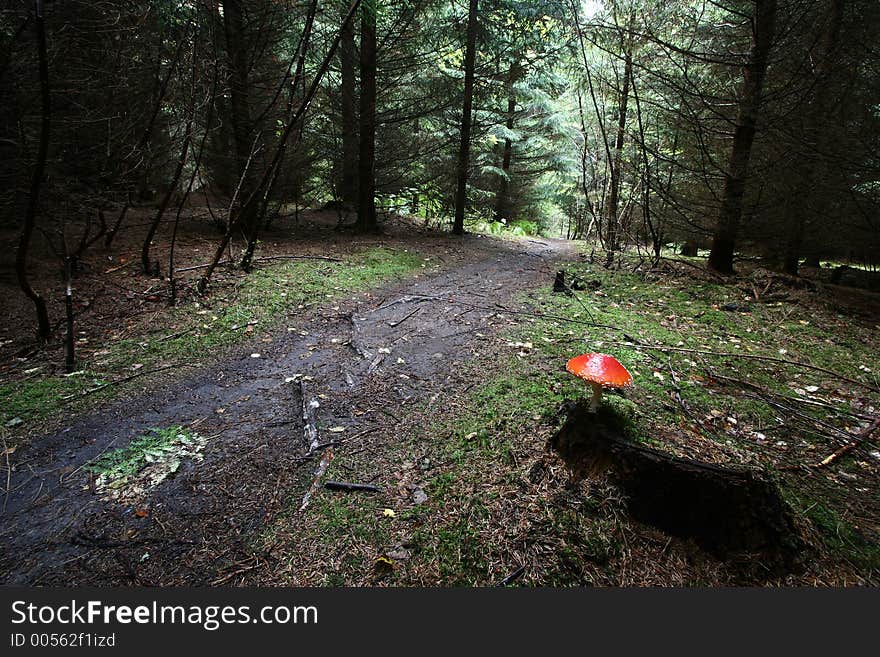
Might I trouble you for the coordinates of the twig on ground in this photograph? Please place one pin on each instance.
(125, 379)
(263, 259)
(403, 319)
(799, 400)
(515, 575)
(417, 298)
(846, 449)
(348, 486)
(703, 270)
(374, 365)
(177, 335)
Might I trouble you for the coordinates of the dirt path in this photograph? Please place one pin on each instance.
(365, 361)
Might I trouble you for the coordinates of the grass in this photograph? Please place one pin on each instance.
(843, 538)
(508, 417)
(185, 334)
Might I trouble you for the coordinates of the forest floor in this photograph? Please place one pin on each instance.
(433, 368)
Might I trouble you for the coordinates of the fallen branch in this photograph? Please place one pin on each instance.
(122, 266)
(310, 418)
(323, 464)
(122, 380)
(355, 341)
(515, 575)
(764, 392)
(767, 397)
(296, 257)
(239, 571)
(348, 487)
(701, 269)
(264, 259)
(846, 449)
(402, 320)
(374, 365)
(178, 334)
(418, 298)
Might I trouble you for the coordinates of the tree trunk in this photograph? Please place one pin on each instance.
(349, 183)
(502, 201)
(69, 336)
(612, 242)
(147, 266)
(467, 108)
(727, 225)
(366, 220)
(817, 140)
(43, 328)
(242, 128)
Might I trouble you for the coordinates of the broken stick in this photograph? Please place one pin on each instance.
(846, 449)
(310, 418)
(349, 486)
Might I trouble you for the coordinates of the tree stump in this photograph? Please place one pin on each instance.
(725, 510)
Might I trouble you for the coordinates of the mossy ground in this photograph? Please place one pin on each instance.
(497, 499)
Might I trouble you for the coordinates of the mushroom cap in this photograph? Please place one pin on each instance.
(600, 368)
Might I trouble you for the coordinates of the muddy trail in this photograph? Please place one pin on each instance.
(356, 366)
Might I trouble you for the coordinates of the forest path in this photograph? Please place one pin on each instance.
(366, 361)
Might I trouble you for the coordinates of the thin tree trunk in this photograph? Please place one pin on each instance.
(242, 127)
(43, 328)
(467, 108)
(68, 261)
(798, 207)
(108, 239)
(366, 220)
(502, 201)
(653, 229)
(736, 176)
(181, 162)
(347, 55)
(612, 240)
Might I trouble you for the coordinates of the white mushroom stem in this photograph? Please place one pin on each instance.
(597, 397)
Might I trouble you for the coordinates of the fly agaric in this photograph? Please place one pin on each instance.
(600, 371)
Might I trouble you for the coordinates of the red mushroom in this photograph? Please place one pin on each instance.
(600, 371)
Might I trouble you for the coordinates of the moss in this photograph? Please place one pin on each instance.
(845, 539)
(37, 398)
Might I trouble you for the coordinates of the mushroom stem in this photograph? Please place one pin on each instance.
(597, 397)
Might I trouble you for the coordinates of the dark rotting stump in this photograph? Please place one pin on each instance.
(559, 282)
(728, 511)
